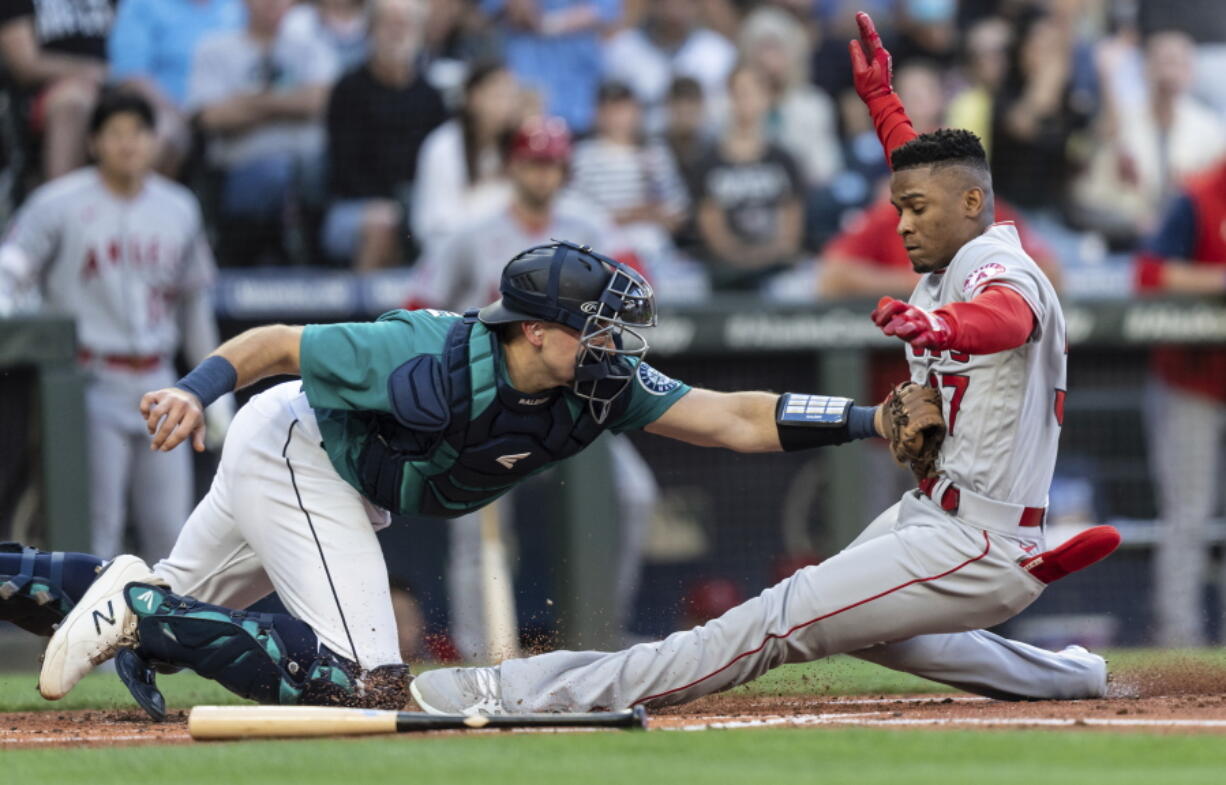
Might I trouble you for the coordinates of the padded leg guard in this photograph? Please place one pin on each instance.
(265, 657)
(39, 588)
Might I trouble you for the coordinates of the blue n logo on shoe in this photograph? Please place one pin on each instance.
(99, 616)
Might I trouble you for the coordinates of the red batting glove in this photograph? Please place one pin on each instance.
(872, 79)
(922, 329)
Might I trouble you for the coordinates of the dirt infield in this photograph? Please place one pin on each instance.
(1180, 697)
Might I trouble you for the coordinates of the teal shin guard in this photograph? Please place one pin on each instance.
(270, 658)
(39, 588)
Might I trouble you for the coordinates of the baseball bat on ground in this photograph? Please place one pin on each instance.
(256, 722)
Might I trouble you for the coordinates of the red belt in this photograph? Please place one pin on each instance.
(126, 362)
(952, 498)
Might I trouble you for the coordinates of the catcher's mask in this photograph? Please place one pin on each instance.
(606, 301)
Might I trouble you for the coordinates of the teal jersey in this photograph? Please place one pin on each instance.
(354, 378)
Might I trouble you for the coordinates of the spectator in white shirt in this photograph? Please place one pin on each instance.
(461, 165)
(259, 93)
(802, 117)
(670, 43)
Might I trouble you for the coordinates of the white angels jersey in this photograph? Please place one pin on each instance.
(1004, 411)
(118, 265)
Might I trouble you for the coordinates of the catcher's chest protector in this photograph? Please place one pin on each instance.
(461, 436)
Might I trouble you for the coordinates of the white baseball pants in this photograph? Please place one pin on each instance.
(279, 517)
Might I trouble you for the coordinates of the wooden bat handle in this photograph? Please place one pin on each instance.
(256, 722)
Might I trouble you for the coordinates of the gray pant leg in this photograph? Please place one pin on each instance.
(110, 465)
(161, 495)
(918, 579)
(637, 493)
(465, 608)
(987, 664)
(1185, 436)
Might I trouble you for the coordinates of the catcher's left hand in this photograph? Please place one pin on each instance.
(911, 419)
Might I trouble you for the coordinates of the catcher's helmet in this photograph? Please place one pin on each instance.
(601, 298)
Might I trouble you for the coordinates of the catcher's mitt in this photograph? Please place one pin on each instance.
(913, 423)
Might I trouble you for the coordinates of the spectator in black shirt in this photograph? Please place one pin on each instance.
(749, 194)
(54, 53)
(1036, 114)
(378, 116)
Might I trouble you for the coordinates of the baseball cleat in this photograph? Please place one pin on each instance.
(1096, 668)
(467, 691)
(94, 629)
(1077, 553)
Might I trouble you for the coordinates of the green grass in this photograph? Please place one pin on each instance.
(746, 757)
(863, 757)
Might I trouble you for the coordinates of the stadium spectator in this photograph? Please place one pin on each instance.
(1148, 148)
(553, 47)
(259, 94)
(802, 118)
(670, 43)
(1035, 116)
(460, 169)
(925, 31)
(122, 250)
(151, 49)
(378, 117)
(749, 194)
(54, 53)
(686, 131)
(464, 269)
(341, 23)
(1187, 407)
(636, 181)
(986, 58)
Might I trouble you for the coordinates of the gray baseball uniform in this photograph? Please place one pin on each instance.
(912, 591)
(135, 275)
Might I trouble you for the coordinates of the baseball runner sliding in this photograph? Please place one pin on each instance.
(964, 551)
(434, 413)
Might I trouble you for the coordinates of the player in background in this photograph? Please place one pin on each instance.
(463, 272)
(123, 251)
(422, 413)
(961, 552)
(1187, 406)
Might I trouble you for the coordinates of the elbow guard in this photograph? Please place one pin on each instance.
(807, 421)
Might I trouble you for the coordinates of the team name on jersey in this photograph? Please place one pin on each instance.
(132, 250)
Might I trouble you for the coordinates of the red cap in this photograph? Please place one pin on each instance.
(542, 139)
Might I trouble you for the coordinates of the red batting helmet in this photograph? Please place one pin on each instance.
(542, 139)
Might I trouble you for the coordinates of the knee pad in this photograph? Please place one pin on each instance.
(266, 657)
(39, 588)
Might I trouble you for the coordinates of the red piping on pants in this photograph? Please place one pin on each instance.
(986, 549)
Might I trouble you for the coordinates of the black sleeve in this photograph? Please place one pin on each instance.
(346, 159)
(11, 10)
(795, 180)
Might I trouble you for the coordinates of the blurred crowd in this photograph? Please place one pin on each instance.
(716, 143)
